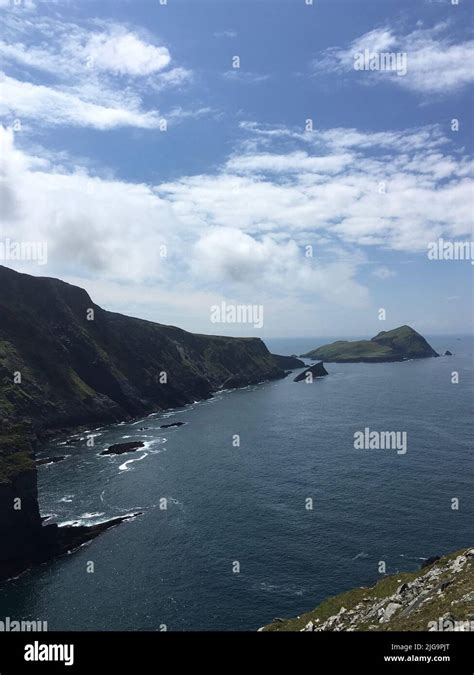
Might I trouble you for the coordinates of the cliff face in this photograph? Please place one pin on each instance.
(80, 363)
(439, 597)
(20, 521)
(398, 344)
(65, 362)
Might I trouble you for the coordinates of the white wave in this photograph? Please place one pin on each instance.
(362, 554)
(67, 498)
(123, 467)
(161, 440)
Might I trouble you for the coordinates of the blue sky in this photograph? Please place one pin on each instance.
(165, 181)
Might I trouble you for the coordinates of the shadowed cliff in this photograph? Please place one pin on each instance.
(65, 362)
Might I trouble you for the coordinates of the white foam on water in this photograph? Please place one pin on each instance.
(67, 498)
(124, 466)
(362, 554)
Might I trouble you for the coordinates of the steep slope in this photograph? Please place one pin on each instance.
(398, 344)
(440, 596)
(59, 370)
(288, 362)
(111, 367)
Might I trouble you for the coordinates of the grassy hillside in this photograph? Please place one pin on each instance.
(410, 601)
(398, 344)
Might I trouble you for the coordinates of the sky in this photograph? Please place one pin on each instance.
(176, 155)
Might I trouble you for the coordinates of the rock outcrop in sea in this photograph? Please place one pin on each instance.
(316, 370)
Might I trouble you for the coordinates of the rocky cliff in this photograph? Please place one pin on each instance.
(65, 362)
(288, 362)
(439, 597)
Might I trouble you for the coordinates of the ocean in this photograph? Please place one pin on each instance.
(227, 539)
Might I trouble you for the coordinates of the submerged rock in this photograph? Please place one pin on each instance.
(173, 424)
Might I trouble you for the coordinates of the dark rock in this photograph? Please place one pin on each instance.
(429, 561)
(444, 585)
(50, 460)
(448, 353)
(173, 424)
(70, 537)
(121, 448)
(318, 370)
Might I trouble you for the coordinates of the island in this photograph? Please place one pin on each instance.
(399, 344)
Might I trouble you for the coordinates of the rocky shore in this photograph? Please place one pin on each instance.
(439, 597)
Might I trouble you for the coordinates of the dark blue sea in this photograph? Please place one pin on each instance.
(244, 507)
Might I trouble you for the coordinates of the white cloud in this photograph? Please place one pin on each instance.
(289, 239)
(397, 190)
(123, 53)
(97, 73)
(55, 107)
(435, 62)
(116, 229)
(299, 162)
